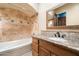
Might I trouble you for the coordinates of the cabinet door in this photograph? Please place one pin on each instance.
(43, 52)
(58, 50)
(34, 47)
(45, 44)
(53, 54)
(34, 53)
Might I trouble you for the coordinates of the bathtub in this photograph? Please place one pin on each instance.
(15, 47)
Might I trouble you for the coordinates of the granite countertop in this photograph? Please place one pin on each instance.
(65, 43)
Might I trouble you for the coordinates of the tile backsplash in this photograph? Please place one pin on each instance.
(68, 35)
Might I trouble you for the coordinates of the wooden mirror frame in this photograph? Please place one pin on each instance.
(60, 27)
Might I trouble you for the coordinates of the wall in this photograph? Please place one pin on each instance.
(35, 6)
(42, 17)
(14, 24)
(72, 16)
(36, 22)
(43, 8)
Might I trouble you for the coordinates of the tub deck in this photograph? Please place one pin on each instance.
(17, 47)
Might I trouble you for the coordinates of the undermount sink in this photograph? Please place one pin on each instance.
(57, 39)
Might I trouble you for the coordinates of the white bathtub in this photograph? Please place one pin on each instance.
(6, 46)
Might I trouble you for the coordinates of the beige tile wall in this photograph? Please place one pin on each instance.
(15, 24)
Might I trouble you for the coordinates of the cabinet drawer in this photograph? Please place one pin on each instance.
(34, 53)
(61, 51)
(35, 47)
(34, 40)
(45, 44)
(43, 52)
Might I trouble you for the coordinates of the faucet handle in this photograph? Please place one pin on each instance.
(63, 35)
(55, 35)
(58, 33)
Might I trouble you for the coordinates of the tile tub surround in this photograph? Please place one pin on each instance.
(10, 32)
(14, 24)
(11, 35)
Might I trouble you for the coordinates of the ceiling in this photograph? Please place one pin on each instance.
(30, 9)
(23, 7)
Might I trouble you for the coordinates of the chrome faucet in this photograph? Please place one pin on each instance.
(58, 34)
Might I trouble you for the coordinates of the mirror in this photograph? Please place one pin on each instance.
(65, 16)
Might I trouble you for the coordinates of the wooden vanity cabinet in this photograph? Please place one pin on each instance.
(45, 48)
(59, 51)
(45, 44)
(43, 51)
(35, 47)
